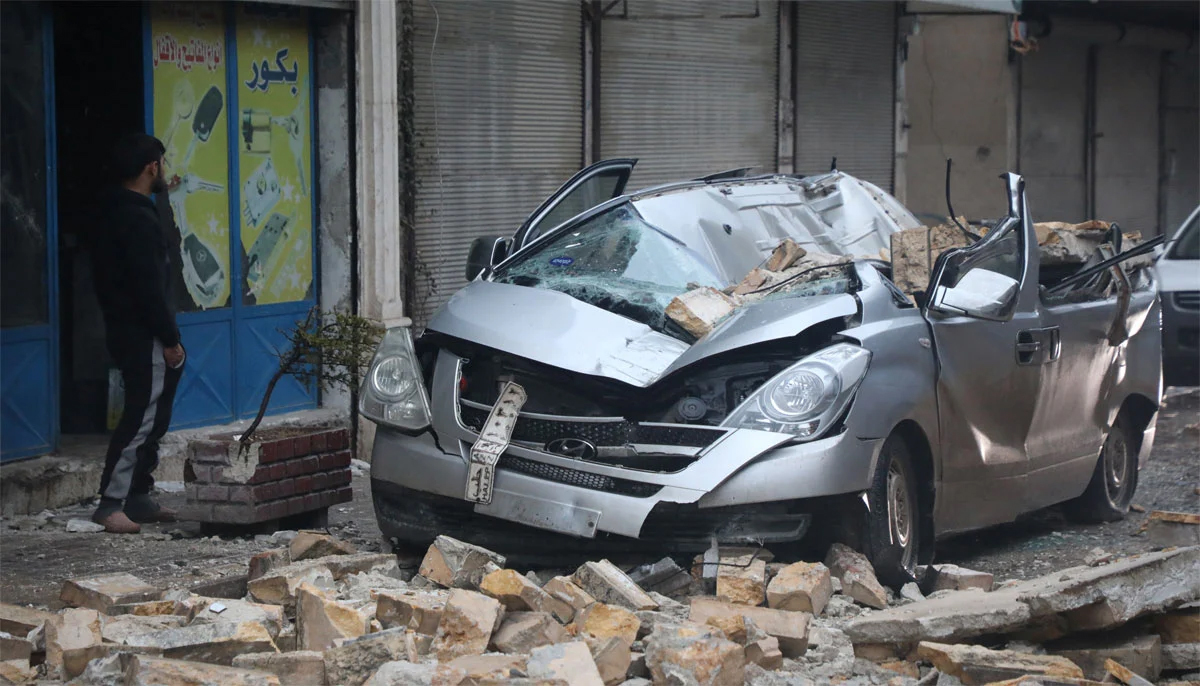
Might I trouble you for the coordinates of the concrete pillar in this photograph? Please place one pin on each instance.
(381, 282)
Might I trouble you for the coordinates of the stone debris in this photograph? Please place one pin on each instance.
(742, 579)
(1177, 627)
(955, 578)
(217, 643)
(694, 654)
(791, 628)
(699, 310)
(73, 639)
(516, 592)
(600, 620)
(606, 583)
(857, 576)
(127, 668)
(765, 653)
(571, 662)
(14, 648)
(1167, 529)
(978, 665)
(201, 610)
(477, 667)
(419, 611)
(266, 561)
(1123, 674)
(454, 564)
(665, 577)
(1181, 657)
(301, 667)
(612, 658)
(566, 590)
(309, 545)
(467, 623)
(118, 629)
(521, 632)
(84, 526)
(785, 255)
(19, 621)
(1142, 654)
(321, 621)
(353, 661)
(102, 592)
(801, 587)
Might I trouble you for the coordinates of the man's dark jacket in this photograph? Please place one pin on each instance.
(131, 268)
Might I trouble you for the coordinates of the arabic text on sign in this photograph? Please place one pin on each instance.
(264, 75)
(186, 55)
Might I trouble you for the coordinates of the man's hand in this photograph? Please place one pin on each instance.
(174, 356)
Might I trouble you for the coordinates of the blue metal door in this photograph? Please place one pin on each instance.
(229, 91)
(28, 235)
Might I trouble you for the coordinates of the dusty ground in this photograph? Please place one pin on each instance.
(37, 555)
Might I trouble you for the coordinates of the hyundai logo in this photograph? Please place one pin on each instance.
(572, 447)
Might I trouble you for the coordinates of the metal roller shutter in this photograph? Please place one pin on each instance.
(689, 88)
(499, 125)
(845, 78)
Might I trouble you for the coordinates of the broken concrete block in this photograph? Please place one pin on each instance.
(468, 621)
(1167, 529)
(911, 591)
(791, 628)
(955, 578)
(149, 608)
(302, 668)
(118, 629)
(979, 665)
(217, 643)
(521, 632)
(693, 654)
(73, 639)
(914, 251)
(742, 580)
(205, 610)
(765, 653)
(601, 620)
(562, 588)
(102, 592)
(310, 545)
(801, 587)
(606, 583)
(419, 611)
(700, 309)
(14, 647)
(487, 667)
(902, 667)
(612, 657)
(404, 674)
(353, 661)
(268, 560)
(19, 621)
(785, 255)
(143, 669)
(17, 671)
(518, 593)
(1181, 657)
(455, 564)
(1179, 627)
(857, 576)
(1142, 654)
(753, 281)
(733, 626)
(320, 620)
(569, 661)
(278, 586)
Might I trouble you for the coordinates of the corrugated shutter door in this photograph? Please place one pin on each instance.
(689, 88)
(499, 126)
(845, 88)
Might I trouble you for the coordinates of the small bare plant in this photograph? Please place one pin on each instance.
(330, 348)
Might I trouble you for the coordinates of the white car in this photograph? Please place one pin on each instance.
(1179, 288)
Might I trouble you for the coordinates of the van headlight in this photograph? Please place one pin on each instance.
(805, 399)
(393, 392)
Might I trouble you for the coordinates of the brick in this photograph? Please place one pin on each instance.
(267, 453)
(339, 440)
(341, 477)
(213, 492)
(320, 481)
(212, 452)
(283, 449)
(261, 475)
(241, 494)
(192, 491)
(278, 471)
(318, 442)
(304, 484)
(344, 495)
(328, 498)
(338, 460)
(312, 501)
(265, 492)
(196, 472)
(301, 445)
(287, 488)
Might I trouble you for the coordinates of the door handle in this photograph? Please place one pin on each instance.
(1029, 347)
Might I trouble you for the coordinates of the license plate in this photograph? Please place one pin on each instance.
(492, 442)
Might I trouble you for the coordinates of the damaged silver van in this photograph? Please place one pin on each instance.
(552, 405)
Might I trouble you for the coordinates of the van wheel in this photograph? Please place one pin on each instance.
(893, 527)
(1114, 480)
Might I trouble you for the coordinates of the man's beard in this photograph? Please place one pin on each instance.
(159, 185)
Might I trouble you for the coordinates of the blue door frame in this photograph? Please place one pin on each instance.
(29, 354)
(232, 351)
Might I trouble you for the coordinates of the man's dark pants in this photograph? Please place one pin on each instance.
(149, 395)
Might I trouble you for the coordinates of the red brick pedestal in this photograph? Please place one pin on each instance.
(271, 480)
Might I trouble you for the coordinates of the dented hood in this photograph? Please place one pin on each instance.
(554, 328)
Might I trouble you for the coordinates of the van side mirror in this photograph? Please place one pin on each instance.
(486, 251)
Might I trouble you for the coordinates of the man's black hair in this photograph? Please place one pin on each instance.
(133, 152)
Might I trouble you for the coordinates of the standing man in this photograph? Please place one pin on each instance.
(131, 267)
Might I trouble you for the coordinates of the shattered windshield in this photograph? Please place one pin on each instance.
(615, 261)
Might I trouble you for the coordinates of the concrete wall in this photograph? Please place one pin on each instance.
(334, 87)
(961, 104)
(1127, 143)
(1053, 112)
(1181, 138)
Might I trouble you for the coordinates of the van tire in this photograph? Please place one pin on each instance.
(892, 535)
(1114, 479)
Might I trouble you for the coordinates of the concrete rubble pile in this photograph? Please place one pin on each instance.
(319, 613)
